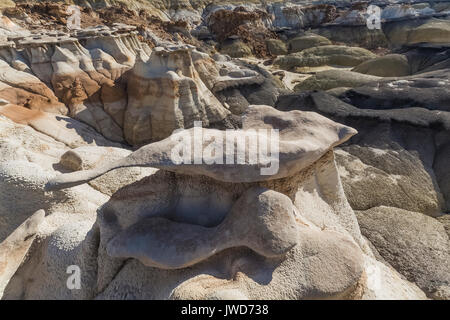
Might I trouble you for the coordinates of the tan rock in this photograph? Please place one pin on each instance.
(303, 138)
(166, 93)
(333, 55)
(276, 47)
(391, 65)
(428, 32)
(307, 41)
(365, 172)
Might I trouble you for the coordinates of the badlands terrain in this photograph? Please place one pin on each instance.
(358, 207)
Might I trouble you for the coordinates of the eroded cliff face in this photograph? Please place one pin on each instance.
(362, 142)
(107, 78)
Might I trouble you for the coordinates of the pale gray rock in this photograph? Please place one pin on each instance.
(390, 65)
(354, 35)
(78, 85)
(325, 262)
(226, 231)
(330, 79)
(307, 41)
(303, 139)
(14, 248)
(427, 92)
(384, 283)
(417, 246)
(445, 220)
(299, 16)
(63, 129)
(373, 177)
(29, 158)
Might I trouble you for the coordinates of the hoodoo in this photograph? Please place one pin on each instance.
(224, 150)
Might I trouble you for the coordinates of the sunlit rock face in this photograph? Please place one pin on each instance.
(229, 239)
(166, 93)
(183, 220)
(405, 143)
(19, 86)
(174, 159)
(14, 248)
(301, 16)
(81, 81)
(108, 79)
(431, 32)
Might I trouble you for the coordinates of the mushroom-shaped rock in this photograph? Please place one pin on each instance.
(297, 139)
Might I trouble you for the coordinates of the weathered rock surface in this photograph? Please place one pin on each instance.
(416, 245)
(227, 198)
(276, 47)
(420, 32)
(384, 283)
(419, 92)
(87, 157)
(330, 79)
(403, 144)
(302, 139)
(14, 248)
(268, 229)
(166, 93)
(29, 158)
(240, 30)
(82, 77)
(285, 236)
(354, 35)
(307, 41)
(426, 60)
(445, 220)
(391, 65)
(325, 55)
(108, 79)
(22, 88)
(61, 128)
(373, 177)
(236, 49)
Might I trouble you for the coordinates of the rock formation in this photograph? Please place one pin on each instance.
(325, 55)
(14, 248)
(196, 150)
(203, 214)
